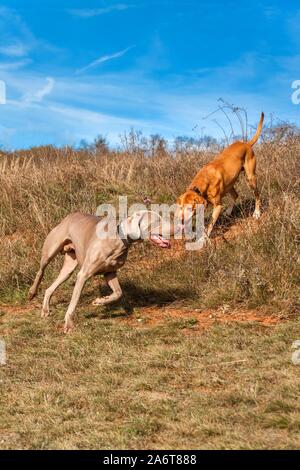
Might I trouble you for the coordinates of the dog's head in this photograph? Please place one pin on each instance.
(145, 225)
(189, 200)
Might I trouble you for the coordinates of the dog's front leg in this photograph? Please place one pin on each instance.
(234, 195)
(113, 282)
(82, 277)
(215, 215)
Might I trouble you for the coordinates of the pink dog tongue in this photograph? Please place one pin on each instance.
(160, 241)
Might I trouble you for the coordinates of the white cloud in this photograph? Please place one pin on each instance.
(103, 59)
(7, 66)
(16, 38)
(84, 106)
(17, 49)
(91, 12)
(39, 94)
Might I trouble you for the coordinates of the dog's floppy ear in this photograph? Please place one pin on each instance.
(132, 225)
(149, 222)
(199, 200)
(131, 228)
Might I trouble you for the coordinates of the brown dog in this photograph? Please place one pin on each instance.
(218, 177)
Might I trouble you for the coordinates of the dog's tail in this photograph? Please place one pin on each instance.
(258, 132)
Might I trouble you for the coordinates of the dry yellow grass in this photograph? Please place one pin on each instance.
(110, 385)
(39, 187)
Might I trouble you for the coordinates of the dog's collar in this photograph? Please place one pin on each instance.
(125, 239)
(197, 191)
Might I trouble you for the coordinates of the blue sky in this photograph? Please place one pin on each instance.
(74, 69)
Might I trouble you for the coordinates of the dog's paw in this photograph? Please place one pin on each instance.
(68, 327)
(31, 295)
(101, 301)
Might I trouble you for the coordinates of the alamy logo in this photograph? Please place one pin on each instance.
(296, 353)
(2, 353)
(2, 92)
(296, 94)
(166, 220)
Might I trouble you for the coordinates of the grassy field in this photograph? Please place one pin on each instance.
(197, 355)
(111, 385)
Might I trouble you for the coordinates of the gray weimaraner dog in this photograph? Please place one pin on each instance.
(80, 238)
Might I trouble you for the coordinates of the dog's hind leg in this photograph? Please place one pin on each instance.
(113, 282)
(45, 260)
(250, 167)
(54, 244)
(70, 264)
(33, 289)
